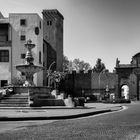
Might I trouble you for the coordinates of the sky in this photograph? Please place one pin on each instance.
(106, 29)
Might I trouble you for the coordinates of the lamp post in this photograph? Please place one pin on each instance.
(49, 72)
(100, 80)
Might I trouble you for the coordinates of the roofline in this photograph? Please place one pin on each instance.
(53, 10)
(25, 14)
(4, 21)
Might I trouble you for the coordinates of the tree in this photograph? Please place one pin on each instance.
(99, 67)
(65, 63)
(79, 65)
(56, 78)
(76, 64)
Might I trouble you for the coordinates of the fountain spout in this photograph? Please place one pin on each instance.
(29, 57)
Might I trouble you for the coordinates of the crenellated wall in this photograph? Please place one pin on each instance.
(80, 84)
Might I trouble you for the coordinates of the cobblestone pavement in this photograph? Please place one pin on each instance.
(121, 125)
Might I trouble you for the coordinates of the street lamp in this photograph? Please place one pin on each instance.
(100, 80)
(49, 72)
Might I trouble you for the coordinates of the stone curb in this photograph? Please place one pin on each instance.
(100, 111)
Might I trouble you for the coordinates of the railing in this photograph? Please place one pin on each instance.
(5, 44)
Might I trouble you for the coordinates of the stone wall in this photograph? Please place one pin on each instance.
(80, 84)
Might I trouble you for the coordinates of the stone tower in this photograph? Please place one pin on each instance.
(53, 36)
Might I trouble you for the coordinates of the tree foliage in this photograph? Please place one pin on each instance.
(80, 65)
(65, 63)
(99, 67)
(76, 64)
(56, 79)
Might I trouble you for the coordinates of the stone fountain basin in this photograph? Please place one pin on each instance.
(29, 68)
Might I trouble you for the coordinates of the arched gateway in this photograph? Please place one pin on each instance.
(129, 74)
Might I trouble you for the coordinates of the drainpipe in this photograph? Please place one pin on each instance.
(10, 39)
(137, 88)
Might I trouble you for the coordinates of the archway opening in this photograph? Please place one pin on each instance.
(125, 92)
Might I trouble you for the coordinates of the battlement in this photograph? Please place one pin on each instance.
(52, 13)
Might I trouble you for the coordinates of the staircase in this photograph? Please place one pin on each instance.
(15, 100)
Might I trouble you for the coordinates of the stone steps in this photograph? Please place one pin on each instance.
(14, 105)
(15, 100)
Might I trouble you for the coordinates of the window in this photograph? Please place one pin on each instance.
(36, 30)
(23, 55)
(49, 22)
(4, 56)
(23, 22)
(22, 37)
(22, 73)
(40, 24)
(3, 38)
(43, 48)
(4, 83)
(40, 58)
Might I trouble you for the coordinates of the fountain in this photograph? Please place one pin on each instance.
(37, 96)
(29, 69)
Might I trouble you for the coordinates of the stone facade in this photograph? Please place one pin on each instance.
(49, 58)
(53, 34)
(23, 28)
(20, 27)
(5, 51)
(129, 74)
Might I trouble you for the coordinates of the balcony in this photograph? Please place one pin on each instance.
(5, 43)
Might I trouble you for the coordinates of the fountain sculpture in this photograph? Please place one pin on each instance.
(29, 69)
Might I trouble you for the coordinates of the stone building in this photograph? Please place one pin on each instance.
(46, 34)
(53, 40)
(128, 75)
(24, 27)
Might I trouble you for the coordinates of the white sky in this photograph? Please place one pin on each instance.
(93, 29)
